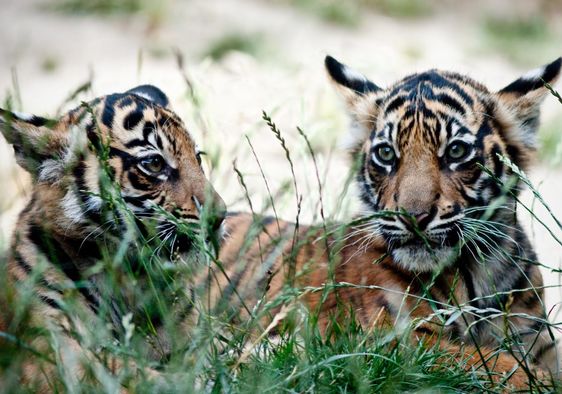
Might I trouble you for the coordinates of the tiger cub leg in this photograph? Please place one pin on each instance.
(498, 365)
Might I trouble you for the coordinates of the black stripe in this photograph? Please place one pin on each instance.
(38, 121)
(50, 301)
(451, 103)
(448, 215)
(127, 101)
(93, 137)
(24, 265)
(135, 142)
(55, 253)
(266, 221)
(411, 83)
(136, 182)
(132, 120)
(424, 330)
(137, 201)
(470, 165)
(108, 110)
(543, 349)
(79, 172)
(395, 104)
(159, 143)
(467, 279)
(148, 129)
(470, 200)
(406, 126)
(127, 160)
(365, 190)
(498, 166)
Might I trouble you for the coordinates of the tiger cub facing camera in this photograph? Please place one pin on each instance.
(440, 243)
(119, 162)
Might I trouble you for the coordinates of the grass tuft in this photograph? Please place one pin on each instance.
(332, 11)
(99, 7)
(521, 39)
(251, 44)
(402, 8)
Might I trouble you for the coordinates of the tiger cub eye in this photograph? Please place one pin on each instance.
(385, 153)
(153, 164)
(457, 150)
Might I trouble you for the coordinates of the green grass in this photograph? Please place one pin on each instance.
(402, 8)
(154, 12)
(550, 142)
(332, 11)
(251, 44)
(100, 7)
(521, 39)
(550, 138)
(350, 13)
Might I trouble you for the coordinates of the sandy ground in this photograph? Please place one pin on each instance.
(288, 82)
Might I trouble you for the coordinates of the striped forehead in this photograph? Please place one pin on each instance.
(144, 127)
(424, 104)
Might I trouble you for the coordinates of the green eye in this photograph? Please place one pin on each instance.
(385, 153)
(153, 164)
(457, 150)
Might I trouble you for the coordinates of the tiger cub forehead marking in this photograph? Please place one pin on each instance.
(432, 102)
(141, 125)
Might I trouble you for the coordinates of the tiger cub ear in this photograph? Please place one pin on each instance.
(349, 82)
(353, 87)
(523, 98)
(151, 93)
(33, 138)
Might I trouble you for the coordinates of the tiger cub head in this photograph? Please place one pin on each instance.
(431, 150)
(132, 142)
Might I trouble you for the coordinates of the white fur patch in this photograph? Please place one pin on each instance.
(535, 74)
(72, 208)
(78, 142)
(51, 170)
(353, 75)
(419, 259)
(145, 96)
(23, 116)
(94, 203)
(355, 137)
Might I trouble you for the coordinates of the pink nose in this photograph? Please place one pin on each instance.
(420, 217)
(421, 220)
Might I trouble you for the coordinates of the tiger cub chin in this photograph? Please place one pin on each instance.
(119, 163)
(439, 243)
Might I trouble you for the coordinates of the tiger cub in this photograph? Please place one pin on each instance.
(120, 162)
(440, 244)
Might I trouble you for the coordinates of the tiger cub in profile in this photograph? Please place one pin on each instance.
(441, 244)
(120, 161)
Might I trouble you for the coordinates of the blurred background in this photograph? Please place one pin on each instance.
(223, 62)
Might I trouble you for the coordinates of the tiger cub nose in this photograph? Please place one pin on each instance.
(421, 220)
